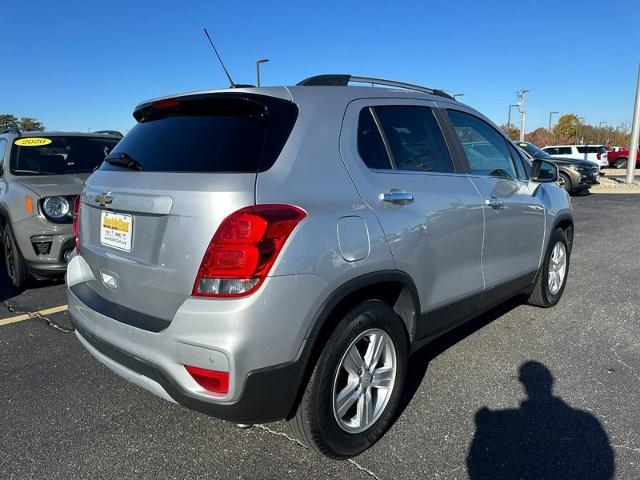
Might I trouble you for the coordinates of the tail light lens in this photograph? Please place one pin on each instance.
(244, 248)
(599, 156)
(211, 380)
(76, 222)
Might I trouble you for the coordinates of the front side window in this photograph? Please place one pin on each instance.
(563, 151)
(485, 148)
(59, 155)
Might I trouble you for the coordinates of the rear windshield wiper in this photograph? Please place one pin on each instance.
(122, 159)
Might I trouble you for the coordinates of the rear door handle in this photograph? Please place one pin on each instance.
(494, 203)
(396, 197)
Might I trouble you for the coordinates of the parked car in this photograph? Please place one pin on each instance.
(276, 253)
(575, 175)
(620, 158)
(41, 175)
(591, 153)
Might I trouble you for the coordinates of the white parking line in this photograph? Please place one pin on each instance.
(30, 315)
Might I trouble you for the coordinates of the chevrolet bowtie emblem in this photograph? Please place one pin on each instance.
(104, 199)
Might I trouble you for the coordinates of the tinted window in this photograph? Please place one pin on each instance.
(518, 159)
(485, 148)
(62, 155)
(564, 151)
(414, 138)
(370, 145)
(591, 150)
(221, 134)
(3, 148)
(532, 150)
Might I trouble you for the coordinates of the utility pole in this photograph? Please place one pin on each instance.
(509, 118)
(258, 62)
(635, 133)
(521, 98)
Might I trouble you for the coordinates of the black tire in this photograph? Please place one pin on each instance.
(620, 163)
(565, 182)
(15, 265)
(541, 296)
(314, 423)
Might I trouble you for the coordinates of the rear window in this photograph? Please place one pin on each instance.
(231, 133)
(59, 155)
(590, 149)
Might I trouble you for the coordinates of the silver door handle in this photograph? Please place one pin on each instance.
(396, 197)
(494, 203)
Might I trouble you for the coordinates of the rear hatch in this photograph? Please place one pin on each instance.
(148, 214)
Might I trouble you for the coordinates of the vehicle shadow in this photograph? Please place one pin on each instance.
(544, 438)
(419, 361)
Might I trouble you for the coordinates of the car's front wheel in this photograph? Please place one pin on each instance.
(552, 277)
(16, 266)
(354, 390)
(565, 182)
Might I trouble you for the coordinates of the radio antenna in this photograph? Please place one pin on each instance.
(226, 72)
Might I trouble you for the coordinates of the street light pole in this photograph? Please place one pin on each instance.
(258, 62)
(635, 133)
(509, 118)
(600, 130)
(550, 114)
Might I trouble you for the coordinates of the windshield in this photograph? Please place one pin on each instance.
(532, 150)
(59, 155)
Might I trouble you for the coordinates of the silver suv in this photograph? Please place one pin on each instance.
(277, 253)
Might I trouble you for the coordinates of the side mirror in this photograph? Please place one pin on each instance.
(543, 171)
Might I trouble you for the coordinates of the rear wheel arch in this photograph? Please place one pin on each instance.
(394, 288)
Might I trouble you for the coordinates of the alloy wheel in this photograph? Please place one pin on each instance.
(364, 380)
(557, 268)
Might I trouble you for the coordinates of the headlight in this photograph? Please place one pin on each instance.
(55, 207)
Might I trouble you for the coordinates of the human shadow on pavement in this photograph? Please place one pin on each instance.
(543, 439)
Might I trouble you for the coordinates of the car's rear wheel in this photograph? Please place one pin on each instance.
(552, 277)
(620, 163)
(565, 182)
(16, 266)
(354, 390)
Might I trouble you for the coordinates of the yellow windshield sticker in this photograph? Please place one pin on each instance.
(33, 142)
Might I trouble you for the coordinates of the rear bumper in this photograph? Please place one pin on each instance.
(259, 340)
(269, 394)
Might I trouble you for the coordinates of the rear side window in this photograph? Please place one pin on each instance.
(413, 137)
(485, 149)
(3, 148)
(370, 145)
(591, 149)
(231, 133)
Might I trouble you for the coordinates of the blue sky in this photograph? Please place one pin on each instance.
(81, 65)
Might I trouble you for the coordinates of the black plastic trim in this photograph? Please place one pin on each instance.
(268, 394)
(117, 312)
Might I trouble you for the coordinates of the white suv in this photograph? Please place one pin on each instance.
(592, 153)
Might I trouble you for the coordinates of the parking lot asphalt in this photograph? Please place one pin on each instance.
(63, 415)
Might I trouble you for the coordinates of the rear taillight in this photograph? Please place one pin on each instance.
(211, 380)
(244, 248)
(76, 222)
(599, 156)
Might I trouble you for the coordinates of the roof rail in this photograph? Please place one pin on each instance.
(11, 130)
(343, 80)
(109, 132)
